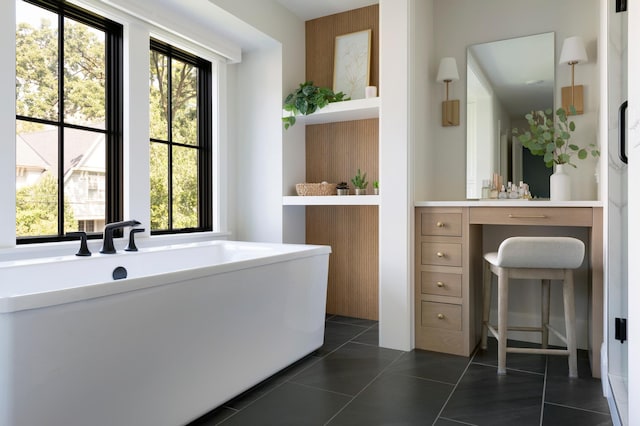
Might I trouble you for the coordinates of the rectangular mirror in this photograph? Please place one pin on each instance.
(507, 79)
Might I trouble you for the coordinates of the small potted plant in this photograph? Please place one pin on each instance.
(360, 183)
(376, 188)
(342, 188)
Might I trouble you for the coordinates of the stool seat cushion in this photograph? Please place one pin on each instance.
(538, 252)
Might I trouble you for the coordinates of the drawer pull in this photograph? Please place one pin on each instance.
(440, 316)
(525, 216)
(440, 224)
(440, 254)
(440, 284)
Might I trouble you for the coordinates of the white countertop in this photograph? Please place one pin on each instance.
(509, 203)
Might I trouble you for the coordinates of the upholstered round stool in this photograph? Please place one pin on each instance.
(544, 258)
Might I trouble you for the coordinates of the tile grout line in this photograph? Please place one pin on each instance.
(289, 380)
(402, 353)
(484, 364)
(253, 402)
(577, 408)
(455, 386)
(319, 389)
(457, 421)
(544, 389)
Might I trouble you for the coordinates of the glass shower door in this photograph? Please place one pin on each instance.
(617, 240)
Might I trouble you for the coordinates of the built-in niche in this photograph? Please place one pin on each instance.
(334, 152)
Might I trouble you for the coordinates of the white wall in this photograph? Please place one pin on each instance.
(7, 126)
(396, 141)
(460, 23)
(423, 45)
(267, 161)
(258, 146)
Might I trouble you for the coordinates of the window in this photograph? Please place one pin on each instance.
(68, 120)
(180, 145)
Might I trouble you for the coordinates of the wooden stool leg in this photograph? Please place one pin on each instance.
(546, 297)
(503, 307)
(486, 303)
(570, 322)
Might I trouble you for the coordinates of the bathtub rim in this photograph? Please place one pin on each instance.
(34, 300)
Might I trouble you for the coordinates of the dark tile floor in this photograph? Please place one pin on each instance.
(352, 381)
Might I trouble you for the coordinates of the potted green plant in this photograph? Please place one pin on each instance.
(306, 99)
(342, 188)
(551, 141)
(360, 183)
(376, 187)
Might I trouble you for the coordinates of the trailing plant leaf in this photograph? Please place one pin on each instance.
(306, 99)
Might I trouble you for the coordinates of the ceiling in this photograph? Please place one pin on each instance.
(311, 9)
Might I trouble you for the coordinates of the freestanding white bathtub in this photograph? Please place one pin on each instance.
(192, 326)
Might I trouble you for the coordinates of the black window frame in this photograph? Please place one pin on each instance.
(113, 114)
(205, 137)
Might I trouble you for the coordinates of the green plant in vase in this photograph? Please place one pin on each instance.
(551, 140)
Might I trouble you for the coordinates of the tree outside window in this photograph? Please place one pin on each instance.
(65, 106)
(180, 145)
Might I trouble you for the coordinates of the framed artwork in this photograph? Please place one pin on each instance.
(351, 63)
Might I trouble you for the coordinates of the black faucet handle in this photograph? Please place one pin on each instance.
(132, 241)
(84, 249)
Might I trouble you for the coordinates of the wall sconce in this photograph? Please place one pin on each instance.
(573, 52)
(448, 72)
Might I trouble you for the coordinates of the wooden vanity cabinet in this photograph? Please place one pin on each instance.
(446, 320)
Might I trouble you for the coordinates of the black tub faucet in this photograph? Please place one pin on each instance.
(132, 241)
(107, 240)
(84, 250)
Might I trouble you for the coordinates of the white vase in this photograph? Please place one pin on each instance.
(560, 184)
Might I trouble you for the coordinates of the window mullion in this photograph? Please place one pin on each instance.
(170, 140)
(60, 124)
(113, 137)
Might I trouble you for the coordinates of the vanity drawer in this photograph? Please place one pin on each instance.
(441, 224)
(441, 315)
(443, 254)
(441, 283)
(549, 216)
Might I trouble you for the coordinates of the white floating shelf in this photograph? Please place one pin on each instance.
(331, 200)
(357, 109)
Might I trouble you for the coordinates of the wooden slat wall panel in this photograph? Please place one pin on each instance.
(335, 151)
(352, 233)
(320, 40)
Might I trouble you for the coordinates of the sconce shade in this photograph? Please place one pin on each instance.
(573, 51)
(448, 70)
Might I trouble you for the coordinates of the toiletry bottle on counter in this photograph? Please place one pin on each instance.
(486, 189)
(503, 193)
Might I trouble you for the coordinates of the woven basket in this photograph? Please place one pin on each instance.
(316, 188)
